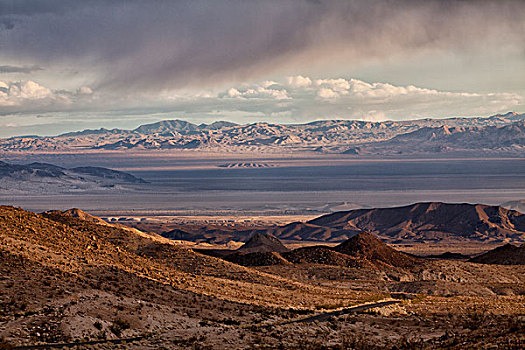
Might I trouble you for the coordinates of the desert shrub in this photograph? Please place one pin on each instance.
(118, 326)
(475, 317)
(5, 345)
(409, 343)
(231, 322)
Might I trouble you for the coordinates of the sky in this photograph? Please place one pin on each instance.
(71, 65)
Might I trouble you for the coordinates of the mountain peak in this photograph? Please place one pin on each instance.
(76, 213)
(263, 242)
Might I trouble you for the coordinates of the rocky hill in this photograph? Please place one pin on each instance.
(64, 278)
(363, 249)
(507, 254)
(496, 134)
(367, 247)
(48, 178)
(420, 222)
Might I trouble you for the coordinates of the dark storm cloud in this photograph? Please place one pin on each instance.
(19, 69)
(153, 45)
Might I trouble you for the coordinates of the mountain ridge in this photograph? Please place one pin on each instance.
(431, 221)
(503, 133)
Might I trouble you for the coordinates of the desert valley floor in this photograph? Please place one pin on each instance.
(268, 252)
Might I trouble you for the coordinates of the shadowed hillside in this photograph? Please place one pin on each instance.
(368, 247)
(263, 243)
(431, 222)
(507, 254)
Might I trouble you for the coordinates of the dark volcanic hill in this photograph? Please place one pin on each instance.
(256, 259)
(420, 222)
(320, 255)
(263, 243)
(507, 254)
(427, 222)
(364, 249)
(368, 247)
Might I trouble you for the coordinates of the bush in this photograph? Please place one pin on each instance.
(118, 326)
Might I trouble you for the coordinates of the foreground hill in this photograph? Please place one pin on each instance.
(94, 275)
(67, 278)
(48, 178)
(496, 134)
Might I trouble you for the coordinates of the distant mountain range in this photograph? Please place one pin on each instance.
(48, 178)
(497, 134)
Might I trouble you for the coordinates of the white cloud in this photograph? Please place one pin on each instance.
(31, 97)
(327, 93)
(307, 99)
(13, 93)
(299, 81)
(340, 85)
(257, 92)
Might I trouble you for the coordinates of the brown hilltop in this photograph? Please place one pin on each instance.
(263, 243)
(507, 254)
(257, 259)
(366, 246)
(76, 213)
(364, 249)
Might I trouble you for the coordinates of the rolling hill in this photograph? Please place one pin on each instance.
(48, 178)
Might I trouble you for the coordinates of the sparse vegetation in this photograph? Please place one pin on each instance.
(135, 285)
(118, 326)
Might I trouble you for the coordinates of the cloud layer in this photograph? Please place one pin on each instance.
(158, 45)
(295, 99)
